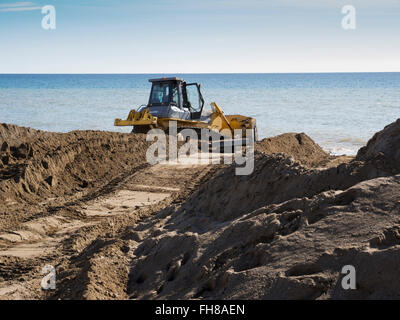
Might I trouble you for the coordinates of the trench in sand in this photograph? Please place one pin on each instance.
(145, 188)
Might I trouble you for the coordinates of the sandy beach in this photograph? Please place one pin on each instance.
(115, 227)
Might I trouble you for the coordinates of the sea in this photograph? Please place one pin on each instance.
(340, 111)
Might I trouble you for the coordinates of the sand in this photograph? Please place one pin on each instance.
(115, 227)
(302, 148)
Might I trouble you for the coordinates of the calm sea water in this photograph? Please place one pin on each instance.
(339, 111)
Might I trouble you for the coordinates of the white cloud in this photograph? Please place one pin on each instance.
(19, 6)
(20, 9)
(16, 4)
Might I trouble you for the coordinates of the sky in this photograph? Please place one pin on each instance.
(203, 36)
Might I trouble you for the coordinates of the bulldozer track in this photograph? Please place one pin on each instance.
(58, 234)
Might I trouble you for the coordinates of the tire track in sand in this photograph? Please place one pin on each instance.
(54, 239)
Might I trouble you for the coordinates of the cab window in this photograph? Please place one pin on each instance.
(175, 95)
(193, 97)
(160, 94)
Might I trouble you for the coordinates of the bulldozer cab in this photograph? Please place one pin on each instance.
(174, 98)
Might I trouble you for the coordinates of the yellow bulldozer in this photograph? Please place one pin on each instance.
(172, 99)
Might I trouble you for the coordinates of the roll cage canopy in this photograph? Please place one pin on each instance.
(176, 92)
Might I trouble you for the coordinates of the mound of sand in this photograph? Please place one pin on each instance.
(292, 250)
(297, 145)
(284, 232)
(36, 166)
(276, 178)
(384, 145)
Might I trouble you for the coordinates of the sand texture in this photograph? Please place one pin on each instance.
(115, 227)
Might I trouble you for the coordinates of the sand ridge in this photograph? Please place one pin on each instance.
(285, 232)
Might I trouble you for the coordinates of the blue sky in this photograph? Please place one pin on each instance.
(185, 36)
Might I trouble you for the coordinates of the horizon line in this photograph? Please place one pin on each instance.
(142, 73)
